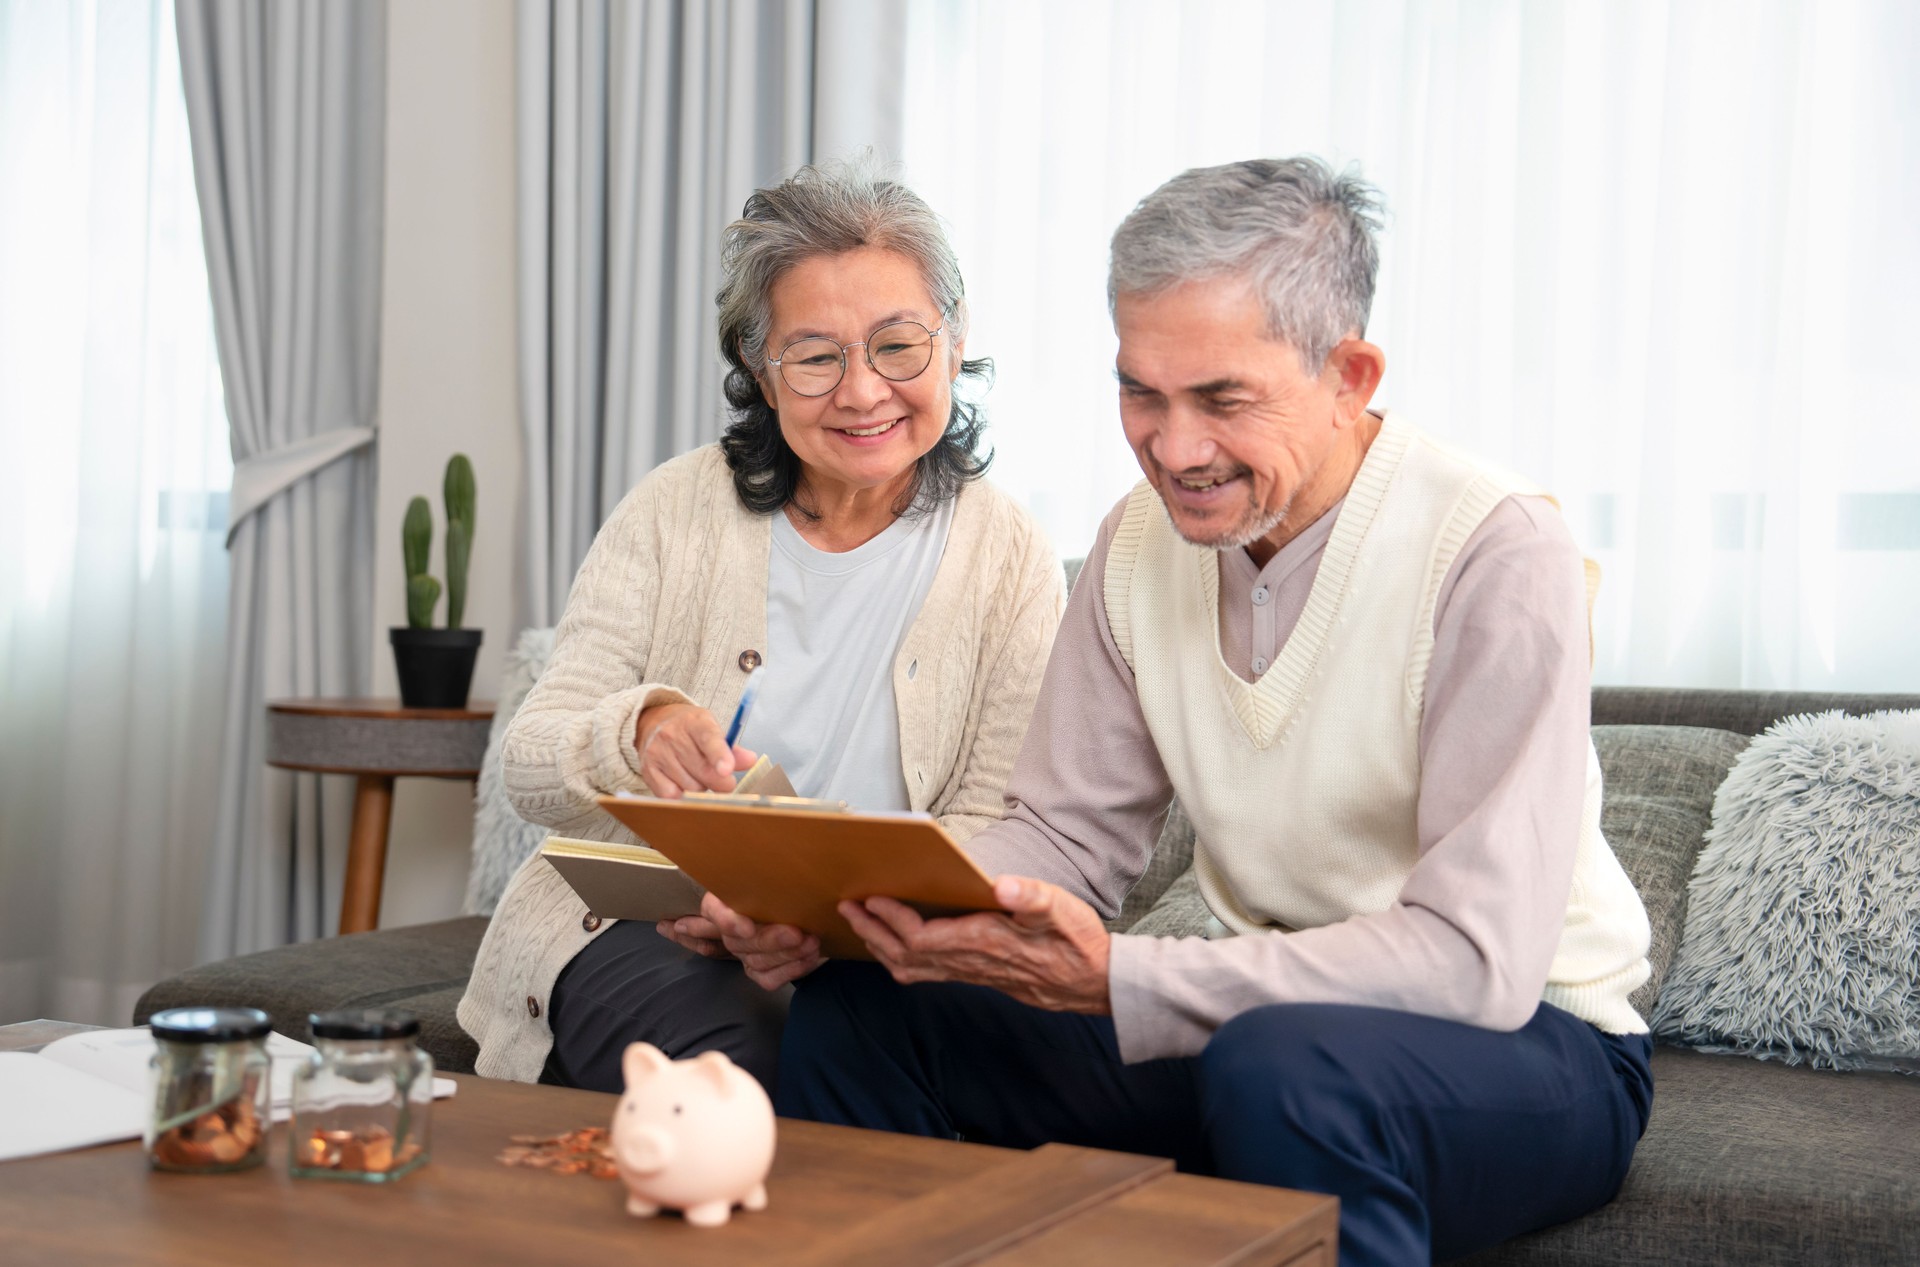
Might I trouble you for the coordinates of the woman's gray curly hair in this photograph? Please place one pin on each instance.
(1302, 234)
(828, 209)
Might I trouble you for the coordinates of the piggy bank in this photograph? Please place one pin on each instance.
(691, 1135)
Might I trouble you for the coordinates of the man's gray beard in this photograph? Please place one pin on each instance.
(1243, 534)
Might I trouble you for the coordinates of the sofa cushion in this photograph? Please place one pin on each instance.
(1752, 1163)
(1746, 712)
(1656, 803)
(1179, 912)
(1803, 921)
(452, 1048)
(423, 968)
(1172, 858)
(502, 840)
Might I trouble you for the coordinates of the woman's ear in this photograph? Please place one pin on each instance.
(759, 377)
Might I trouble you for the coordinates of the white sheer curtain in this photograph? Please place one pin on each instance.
(1659, 257)
(113, 477)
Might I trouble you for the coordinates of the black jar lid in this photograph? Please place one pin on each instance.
(366, 1022)
(209, 1024)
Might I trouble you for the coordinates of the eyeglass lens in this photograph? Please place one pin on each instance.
(813, 367)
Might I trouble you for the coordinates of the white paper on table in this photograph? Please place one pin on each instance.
(46, 1107)
(97, 1075)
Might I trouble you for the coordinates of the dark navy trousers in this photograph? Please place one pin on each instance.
(631, 985)
(1439, 1138)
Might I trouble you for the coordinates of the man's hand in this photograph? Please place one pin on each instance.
(683, 749)
(1050, 949)
(772, 954)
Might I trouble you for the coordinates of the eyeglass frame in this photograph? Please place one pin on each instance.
(778, 363)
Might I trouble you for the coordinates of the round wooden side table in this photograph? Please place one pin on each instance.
(376, 741)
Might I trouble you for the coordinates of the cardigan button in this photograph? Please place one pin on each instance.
(749, 660)
(590, 921)
(533, 1007)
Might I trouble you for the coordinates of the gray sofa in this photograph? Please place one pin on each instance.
(1744, 1161)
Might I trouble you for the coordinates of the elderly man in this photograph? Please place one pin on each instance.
(1360, 660)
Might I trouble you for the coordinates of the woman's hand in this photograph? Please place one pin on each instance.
(772, 954)
(695, 932)
(683, 749)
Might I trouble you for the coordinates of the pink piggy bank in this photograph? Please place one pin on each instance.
(692, 1135)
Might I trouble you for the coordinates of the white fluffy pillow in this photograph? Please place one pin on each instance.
(1802, 939)
(502, 840)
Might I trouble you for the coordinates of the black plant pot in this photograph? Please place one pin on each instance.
(435, 665)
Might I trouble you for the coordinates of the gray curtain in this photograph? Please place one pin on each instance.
(286, 109)
(644, 125)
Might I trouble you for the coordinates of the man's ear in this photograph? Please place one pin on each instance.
(1354, 369)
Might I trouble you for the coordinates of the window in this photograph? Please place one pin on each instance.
(1657, 258)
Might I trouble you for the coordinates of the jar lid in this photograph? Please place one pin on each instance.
(209, 1024)
(367, 1022)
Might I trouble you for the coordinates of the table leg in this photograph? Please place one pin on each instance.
(367, 853)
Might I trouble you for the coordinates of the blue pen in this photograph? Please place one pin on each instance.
(746, 704)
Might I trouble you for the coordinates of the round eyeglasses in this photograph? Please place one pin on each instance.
(814, 366)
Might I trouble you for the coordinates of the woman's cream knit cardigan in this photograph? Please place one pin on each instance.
(671, 597)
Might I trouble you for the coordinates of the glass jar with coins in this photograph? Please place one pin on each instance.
(210, 1089)
(362, 1101)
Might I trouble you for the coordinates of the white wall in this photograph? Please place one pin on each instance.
(447, 375)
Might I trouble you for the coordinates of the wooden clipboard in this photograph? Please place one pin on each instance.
(793, 866)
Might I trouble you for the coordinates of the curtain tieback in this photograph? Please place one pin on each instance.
(264, 476)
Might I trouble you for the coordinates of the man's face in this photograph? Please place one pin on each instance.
(1222, 419)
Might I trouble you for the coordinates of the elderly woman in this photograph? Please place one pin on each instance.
(841, 533)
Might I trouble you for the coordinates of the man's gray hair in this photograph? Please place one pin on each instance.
(1300, 233)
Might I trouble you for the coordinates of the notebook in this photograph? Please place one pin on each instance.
(621, 881)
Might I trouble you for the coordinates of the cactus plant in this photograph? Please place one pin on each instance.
(416, 543)
(416, 547)
(422, 593)
(435, 666)
(459, 493)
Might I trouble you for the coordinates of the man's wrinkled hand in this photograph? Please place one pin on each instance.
(1048, 950)
(682, 749)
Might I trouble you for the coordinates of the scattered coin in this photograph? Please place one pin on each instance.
(586, 1151)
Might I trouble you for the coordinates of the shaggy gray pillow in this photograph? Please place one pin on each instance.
(1803, 920)
(502, 840)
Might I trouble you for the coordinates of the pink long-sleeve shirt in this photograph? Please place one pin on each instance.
(1503, 748)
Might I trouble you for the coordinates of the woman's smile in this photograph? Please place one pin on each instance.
(869, 434)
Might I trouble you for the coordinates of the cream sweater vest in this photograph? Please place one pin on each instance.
(1303, 786)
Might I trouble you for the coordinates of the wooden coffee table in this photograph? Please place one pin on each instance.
(838, 1196)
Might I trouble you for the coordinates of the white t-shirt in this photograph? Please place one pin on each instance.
(826, 708)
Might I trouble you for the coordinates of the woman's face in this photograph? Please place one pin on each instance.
(868, 431)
